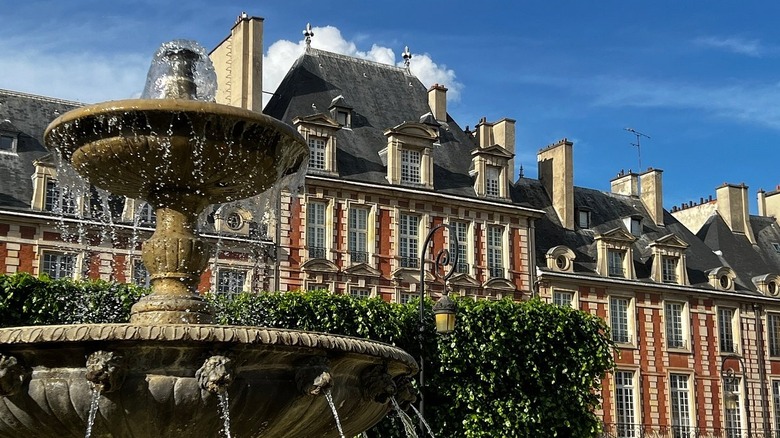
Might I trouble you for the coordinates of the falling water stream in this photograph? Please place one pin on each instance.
(425, 423)
(224, 412)
(405, 419)
(93, 408)
(329, 398)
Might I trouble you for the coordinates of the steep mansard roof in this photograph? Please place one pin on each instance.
(381, 97)
(27, 116)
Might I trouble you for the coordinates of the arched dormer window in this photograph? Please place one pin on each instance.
(319, 130)
(560, 258)
(669, 260)
(722, 278)
(768, 284)
(408, 154)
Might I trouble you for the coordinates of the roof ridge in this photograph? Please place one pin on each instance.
(359, 60)
(42, 98)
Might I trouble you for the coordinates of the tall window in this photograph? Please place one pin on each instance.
(410, 166)
(408, 235)
(141, 275)
(492, 178)
(563, 298)
(776, 404)
(315, 229)
(460, 233)
(669, 269)
(726, 329)
(230, 281)
(681, 405)
(495, 248)
(625, 410)
(618, 317)
(58, 199)
(615, 263)
(59, 265)
(675, 331)
(317, 148)
(733, 404)
(773, 329)
(358, 235)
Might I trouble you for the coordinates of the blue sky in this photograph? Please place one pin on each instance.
(700, 78)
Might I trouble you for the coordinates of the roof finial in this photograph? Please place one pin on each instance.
(308, 33)
(522, 173)
(407, 57)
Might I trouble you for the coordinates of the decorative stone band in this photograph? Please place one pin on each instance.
(201, 333)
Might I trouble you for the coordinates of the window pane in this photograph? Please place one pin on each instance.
(669, 269)
(407, 243)
(495, 249)
(462, 250)
(726, 329)
(773, 323)
(358, 235)
(618, 315)
(615, 263)
(675, 337)
(564, 299)
(681, 408)
(492, 187)
(315, 229)
(59, 265)
(6, 143)
(140, 273)
(624, 404)
(230, 281)
(410, 166)
(317, 157)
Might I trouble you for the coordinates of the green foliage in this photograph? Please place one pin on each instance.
(509, 370)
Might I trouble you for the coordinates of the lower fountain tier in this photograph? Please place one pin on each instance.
(161, 397)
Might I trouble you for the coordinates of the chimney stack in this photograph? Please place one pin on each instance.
(732, 206)
(769, 203)
(651, 193)
(238, 62)
(484, 131)
(437, 100)
(625, 184)
(556, 173)
(504, 136)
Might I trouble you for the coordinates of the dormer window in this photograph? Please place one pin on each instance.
(341, 112)
(7, 143)
(408, 154)
(616, 263)
(560, 258)
(319, 130)
(410, 167)
(634, 225)
(583, 218)
(492, 181)
(615, 255)
(768, 284)
(669, 260)
(343, 118)
(722, 278)
(317, 147)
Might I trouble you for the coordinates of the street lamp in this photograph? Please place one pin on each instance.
(731, 398)
(444, 309)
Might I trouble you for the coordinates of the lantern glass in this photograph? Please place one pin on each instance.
(445, 322)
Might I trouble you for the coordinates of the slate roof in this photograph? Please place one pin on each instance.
(27, 116)
(607, 211)
(382, 96)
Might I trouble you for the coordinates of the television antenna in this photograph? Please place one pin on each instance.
(639, 135)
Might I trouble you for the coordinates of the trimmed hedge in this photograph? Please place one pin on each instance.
(510, 369)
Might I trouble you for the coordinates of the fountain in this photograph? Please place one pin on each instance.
(162, 374)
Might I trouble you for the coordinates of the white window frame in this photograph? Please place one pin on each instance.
(139, 273)
(59, 260)
(626, 332)
(357, 234)
(669, 268)
(318, 147)
(58, 199)
(626, 403)
(492, 181)
(728, 328)
(495, 251)
(411, 166)
(775, 383)
(564, 298)
(404, 297)
(230, 282)
(676, 325)
(583, 219)
(462, 233)
(734, 419)
(14, 139)
(360, 292)
(681, 405)
(409, 240)
(316, 231)
(773, 333)
(614, 255)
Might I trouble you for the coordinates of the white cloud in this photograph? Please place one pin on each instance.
(281, 55)
(736, 45)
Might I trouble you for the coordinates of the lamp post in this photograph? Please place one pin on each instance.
(729, 378)
(444, 309)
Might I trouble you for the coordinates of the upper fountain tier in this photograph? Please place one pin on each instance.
(176, 143)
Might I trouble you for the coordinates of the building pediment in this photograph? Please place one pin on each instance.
(409, 275)
(319, 119)
(494, 151)
(320, 265)
(463, 280)
(362, 270)
(413, 129)
(670, 241)
(616, 235)
(499, 284)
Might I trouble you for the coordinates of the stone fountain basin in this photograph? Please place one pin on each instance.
(138, 147)
(160, 396)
